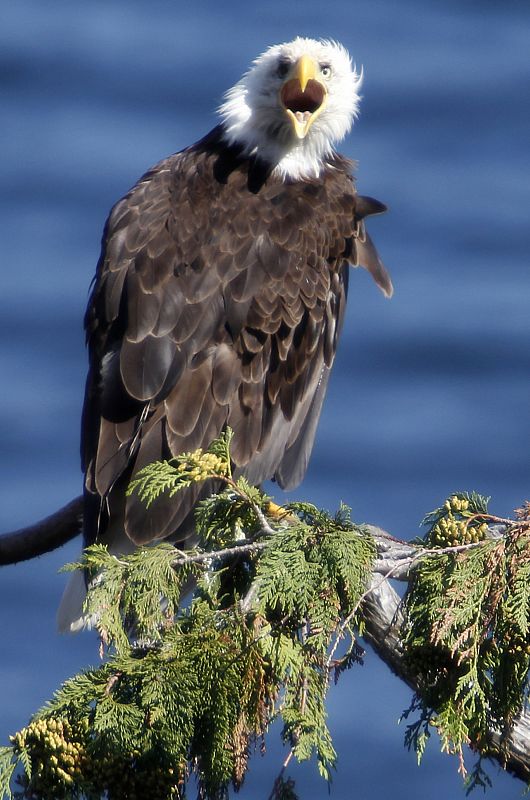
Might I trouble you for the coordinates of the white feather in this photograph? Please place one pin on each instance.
(71, 617)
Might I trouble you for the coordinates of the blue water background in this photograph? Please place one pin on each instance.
(430, 390)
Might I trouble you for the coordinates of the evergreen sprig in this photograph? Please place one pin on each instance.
(178, 473)
(190, 688)
(125, 593)
(309, 578)
(467, 636)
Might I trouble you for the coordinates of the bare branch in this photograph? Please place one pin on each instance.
(226, 552)
(43, 536)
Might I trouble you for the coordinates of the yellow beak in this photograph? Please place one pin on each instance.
(303, 95)
(305, 71)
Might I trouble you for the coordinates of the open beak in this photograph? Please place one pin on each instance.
(303, 96)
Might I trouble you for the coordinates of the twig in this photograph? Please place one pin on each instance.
(262, 519)
(407, 562)
(279, 777)
(211, 555)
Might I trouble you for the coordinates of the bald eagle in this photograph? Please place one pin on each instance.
(219, 296)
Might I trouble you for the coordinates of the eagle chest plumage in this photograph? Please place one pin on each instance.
(213, 305)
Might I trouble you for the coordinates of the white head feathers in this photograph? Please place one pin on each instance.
(255, 114)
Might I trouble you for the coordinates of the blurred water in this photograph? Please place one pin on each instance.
(430, 391)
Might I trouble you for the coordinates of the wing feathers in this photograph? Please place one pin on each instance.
(226, 374)
(185, 402)
(143, 309)
(216, 305)
(369, 259)
(145, 365)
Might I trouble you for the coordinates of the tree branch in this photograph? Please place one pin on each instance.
(43, 536)
(381, 607)
(383, 619)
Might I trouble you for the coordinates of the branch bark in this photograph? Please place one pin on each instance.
(381, 609)
(43, 536)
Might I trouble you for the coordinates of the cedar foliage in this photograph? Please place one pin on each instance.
(467, 630)
(187, 691)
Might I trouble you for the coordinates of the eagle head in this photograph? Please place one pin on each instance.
(293, 105)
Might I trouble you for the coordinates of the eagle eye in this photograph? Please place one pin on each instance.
(284, 65)
(325, 70)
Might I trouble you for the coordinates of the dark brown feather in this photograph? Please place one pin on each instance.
(219, 298)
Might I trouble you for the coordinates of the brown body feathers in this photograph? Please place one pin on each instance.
(219, 299)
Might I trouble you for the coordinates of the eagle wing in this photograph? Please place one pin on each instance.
(212, 306)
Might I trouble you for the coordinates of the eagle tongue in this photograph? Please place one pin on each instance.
(302, 116)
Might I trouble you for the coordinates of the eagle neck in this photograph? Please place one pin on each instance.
(229, 156)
